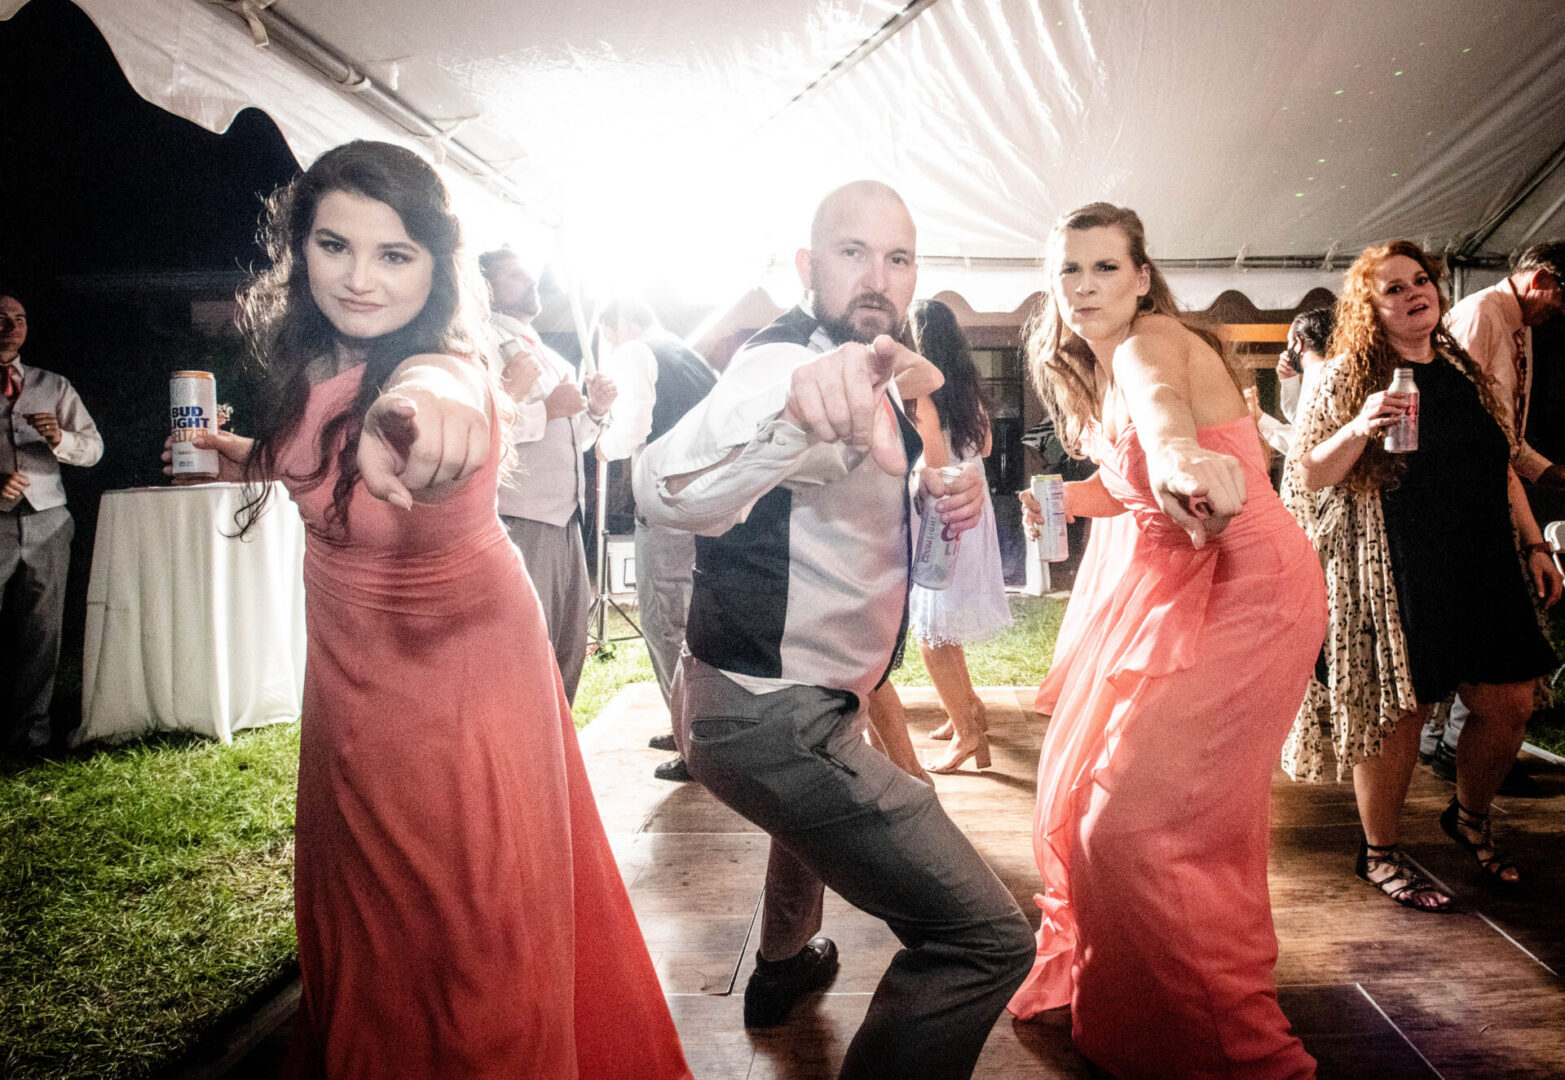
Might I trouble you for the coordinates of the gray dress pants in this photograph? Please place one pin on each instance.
(556, 562)
(35, 556)
(841, 814)
(665, 572)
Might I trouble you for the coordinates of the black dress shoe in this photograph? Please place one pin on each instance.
(673, 769)
(1443, 762)
(777, 985)
(664, 742)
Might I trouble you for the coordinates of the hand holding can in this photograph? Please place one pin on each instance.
(192, 409)
(1048, 489)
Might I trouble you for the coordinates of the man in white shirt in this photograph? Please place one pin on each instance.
(541, 496)
(794, 474)
(1495, 326)
(660, 379)
(45, 424)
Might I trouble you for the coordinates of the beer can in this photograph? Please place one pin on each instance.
(934, 556)
(1053, 541)
(192, 408)
(1402, 436)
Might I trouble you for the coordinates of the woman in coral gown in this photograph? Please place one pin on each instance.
(1193, 629)
(458, 908)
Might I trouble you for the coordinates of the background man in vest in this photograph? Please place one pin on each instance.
(794, 475)
(541, 498)
(660, 378)
(45, 424)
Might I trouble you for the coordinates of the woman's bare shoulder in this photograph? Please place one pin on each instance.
(1156, 327)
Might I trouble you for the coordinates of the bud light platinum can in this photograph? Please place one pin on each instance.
(1053, 541)
(1402, 436)
(192, 408)
(934, 557)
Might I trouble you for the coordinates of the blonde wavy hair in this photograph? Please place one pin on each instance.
(1362, 348)
(1064, 369)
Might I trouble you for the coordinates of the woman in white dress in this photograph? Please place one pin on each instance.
(954, 423)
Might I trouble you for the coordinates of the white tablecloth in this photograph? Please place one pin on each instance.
(189, 629)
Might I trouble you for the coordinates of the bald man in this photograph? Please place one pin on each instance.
(794, 476)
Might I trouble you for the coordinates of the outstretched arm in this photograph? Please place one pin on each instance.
(1199, 489)
(427, 432)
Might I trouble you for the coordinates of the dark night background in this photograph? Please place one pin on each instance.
(115, 217)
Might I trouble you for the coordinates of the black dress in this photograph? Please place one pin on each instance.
(1466, 609)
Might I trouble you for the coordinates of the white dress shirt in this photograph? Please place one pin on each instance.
(635, 373)
(545, 481)
(26, 451)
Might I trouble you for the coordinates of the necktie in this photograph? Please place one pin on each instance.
(1519, 410)
(13, 382)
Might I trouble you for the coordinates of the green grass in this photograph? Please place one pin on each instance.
(146, 894)
(617, 664)
(1018, 657)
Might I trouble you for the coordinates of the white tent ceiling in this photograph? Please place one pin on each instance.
(687, 139)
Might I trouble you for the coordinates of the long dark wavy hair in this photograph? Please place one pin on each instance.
(285, 331)
(961, 403)
(1064, 369)
(1369, 359)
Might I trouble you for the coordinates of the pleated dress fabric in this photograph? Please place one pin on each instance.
(1176, 676)
(459, 912)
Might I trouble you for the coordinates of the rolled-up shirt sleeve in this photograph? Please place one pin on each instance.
(80, 442)
(634, 370)
(532, 417)
(743, 414)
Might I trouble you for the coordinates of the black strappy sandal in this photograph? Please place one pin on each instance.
(1457, 817)
(1414, 883)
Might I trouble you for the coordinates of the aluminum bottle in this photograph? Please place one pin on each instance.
(1053, 541)
(1402, 436)
(934, 556)
(193, 408)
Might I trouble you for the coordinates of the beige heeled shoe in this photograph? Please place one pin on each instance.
(957, 756)
(948, 729)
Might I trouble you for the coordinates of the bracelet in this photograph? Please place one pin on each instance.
(1540, 548)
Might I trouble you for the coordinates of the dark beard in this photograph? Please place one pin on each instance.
(841, 329)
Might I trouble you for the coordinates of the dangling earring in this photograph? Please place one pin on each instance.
(1144, 302)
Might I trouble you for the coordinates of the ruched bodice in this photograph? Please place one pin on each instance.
(1123, 466)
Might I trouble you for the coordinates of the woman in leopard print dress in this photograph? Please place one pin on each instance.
(1422, 577)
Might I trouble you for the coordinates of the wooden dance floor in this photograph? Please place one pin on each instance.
(1374, 990)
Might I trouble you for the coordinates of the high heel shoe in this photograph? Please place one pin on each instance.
(1457, 817)
(1414, 884)
(948, 729)
(979, 753)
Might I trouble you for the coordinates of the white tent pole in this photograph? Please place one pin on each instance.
(887, 30)
(336, 69)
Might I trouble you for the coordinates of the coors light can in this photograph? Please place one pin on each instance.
(934, 557)
(1402, 436)
(193, 408)
(1053, 541)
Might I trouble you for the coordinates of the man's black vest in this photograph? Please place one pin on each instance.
(683, 379)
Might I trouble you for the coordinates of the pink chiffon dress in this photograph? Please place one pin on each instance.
(459, 912)
(1176, 676)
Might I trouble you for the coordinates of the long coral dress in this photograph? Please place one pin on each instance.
(459, 911)
(1175, 681)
